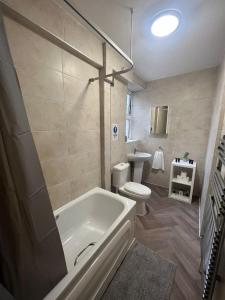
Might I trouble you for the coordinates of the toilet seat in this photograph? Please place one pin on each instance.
(135, 189)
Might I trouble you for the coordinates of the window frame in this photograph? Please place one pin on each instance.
(129, 116)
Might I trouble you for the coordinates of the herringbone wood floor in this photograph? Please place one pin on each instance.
(171, 230)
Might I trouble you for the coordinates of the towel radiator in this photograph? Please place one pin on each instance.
(213, 228)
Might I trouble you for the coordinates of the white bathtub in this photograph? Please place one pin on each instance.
(96, 231)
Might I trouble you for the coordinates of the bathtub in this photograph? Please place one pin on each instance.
(96, 231)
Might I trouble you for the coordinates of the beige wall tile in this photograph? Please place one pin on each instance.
(80, 140)
(59, 194)
(41, 82)
(62, 107)
(44, 114)
(195, 85)
(56, 170)
(82, 39)
(118, 154)
(82, 163)
(118, 95)
(82, 105)
(75, 67)
(190, 100)
(44, 13)
(81, 92)
(51, 144)
(215, 134)
(201, 84)
(81, 118)
(30, 49)
(85, 183)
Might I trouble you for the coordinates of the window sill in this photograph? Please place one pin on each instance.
(130, 141)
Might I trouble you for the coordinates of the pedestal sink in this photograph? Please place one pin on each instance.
(138, 159)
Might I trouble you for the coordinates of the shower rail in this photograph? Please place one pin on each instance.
(114, 74)
(18, 17)
(102, 34)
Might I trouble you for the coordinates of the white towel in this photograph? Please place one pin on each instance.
(158, 160)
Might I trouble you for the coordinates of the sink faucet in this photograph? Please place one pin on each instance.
(135, 150)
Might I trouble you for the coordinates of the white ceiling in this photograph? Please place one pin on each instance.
(199, 43)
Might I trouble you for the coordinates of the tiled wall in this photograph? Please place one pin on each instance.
(216, 130)
(63, 110)
(115, 151)
(190, 98)
(118, 149)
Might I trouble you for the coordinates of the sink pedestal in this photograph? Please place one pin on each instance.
(138, 170)
(137, 159)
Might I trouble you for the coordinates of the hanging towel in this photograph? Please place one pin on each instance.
(158, 160)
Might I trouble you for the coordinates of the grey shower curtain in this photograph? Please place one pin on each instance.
(31, 255)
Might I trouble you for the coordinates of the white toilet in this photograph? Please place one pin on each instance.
(132, 190)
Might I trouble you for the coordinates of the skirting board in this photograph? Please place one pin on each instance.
(161, 186)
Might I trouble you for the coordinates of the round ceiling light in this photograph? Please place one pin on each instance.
(165, 23)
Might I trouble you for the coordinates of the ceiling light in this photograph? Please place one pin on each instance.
(165, 23)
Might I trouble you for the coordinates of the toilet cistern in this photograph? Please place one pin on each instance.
(133, 190)
(138, 158)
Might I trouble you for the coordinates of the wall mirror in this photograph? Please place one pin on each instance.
(159, 121)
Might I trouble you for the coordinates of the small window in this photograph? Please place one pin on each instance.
(129, 105)
(128, 132)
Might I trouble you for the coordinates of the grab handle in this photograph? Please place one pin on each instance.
(82, 251)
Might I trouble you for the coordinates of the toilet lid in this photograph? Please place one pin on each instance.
(137, 189)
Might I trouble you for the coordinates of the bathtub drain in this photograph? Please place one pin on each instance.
(82, 251)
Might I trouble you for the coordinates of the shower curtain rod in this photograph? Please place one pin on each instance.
(18, 17)
(111, 43)
(101, 33)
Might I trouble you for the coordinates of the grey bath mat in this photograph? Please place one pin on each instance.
(142, 276)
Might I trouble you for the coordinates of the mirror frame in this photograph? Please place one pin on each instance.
(162, 135)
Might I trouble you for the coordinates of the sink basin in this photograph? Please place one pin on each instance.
(138, 156)
(138, 159)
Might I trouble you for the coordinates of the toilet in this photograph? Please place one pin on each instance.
(132, 190)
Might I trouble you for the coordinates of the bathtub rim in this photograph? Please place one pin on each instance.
(97, 190)
(129, 204)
